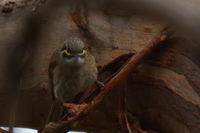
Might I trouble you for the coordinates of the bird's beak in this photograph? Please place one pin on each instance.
(76, 55)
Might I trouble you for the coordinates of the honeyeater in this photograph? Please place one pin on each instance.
(72, 70)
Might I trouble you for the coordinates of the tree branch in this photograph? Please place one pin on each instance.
(123, 119)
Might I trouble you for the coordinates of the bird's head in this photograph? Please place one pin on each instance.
(73, 53)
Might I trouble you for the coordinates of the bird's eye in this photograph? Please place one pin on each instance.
(67, 52)
(82, 52)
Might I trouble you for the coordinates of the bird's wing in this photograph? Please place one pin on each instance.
(55, 111)
(52, 66)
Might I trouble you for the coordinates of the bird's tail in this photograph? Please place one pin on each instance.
(55, 112)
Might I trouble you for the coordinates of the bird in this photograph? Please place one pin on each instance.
(72, 70)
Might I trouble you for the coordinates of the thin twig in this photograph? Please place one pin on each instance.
(66, 122)
(123, 119)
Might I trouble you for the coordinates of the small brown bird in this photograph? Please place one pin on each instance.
(72, 70)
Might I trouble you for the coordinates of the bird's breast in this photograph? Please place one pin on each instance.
(68, 84)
